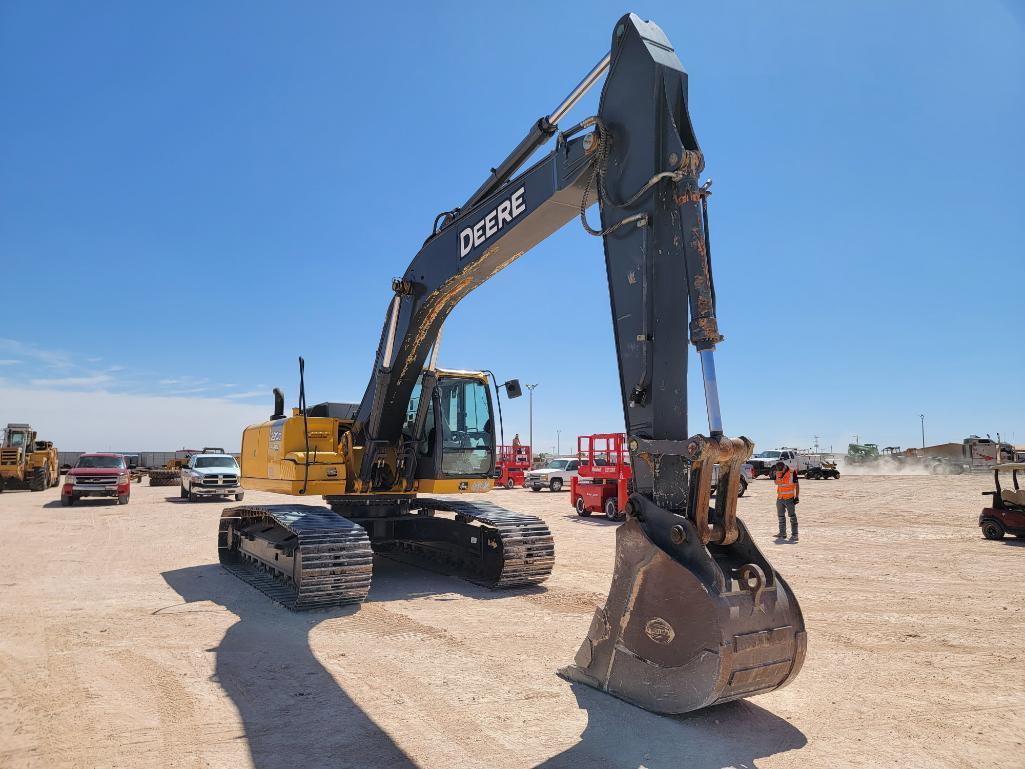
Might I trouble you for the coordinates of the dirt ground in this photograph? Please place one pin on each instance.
(123, 644)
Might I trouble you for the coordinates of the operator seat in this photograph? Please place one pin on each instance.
(1014, 497)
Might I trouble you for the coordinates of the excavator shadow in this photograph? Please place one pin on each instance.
(397, 581)
(293, 711)
(620, 735)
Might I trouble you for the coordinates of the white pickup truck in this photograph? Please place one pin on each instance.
(806, 465)
(211, 474)
(554, 475)
(746, 476)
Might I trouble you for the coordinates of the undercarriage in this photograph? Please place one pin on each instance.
(305, 556)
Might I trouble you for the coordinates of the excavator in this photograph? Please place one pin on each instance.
(695, 614)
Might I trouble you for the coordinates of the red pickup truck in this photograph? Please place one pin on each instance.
(97, 475)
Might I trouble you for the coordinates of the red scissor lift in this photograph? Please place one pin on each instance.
(510, 462)
(604, 476)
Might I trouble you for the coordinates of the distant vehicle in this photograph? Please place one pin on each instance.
(132, 462)
(1006, 515)
(604, 475)
(807, 465)
(97, 475)
(211, 473)
(972, 453)
(511, 463)
(25, 462)
(554, 475)
(763, 462)
(747, 474)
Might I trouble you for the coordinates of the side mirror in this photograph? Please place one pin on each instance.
(513, 389)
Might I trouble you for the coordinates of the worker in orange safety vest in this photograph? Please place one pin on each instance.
(788, 495)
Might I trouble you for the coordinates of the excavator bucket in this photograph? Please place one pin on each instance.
(690, 626)
(696, 615)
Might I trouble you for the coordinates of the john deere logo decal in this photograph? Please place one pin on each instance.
(660, 631)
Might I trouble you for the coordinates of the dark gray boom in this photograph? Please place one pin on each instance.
(696, 614)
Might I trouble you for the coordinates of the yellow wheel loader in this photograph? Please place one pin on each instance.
(695, 615)
(25, 462)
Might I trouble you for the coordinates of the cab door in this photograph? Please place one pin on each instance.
(458, 439)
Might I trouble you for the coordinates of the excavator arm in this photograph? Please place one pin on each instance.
(696, 615)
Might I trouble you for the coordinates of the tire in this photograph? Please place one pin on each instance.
(510, 484)
(992, 530)
(240, 496)
(193, 497)
(611, 509)
(535, 488)
(582, 510)
(182, 493)
(122, 499)
(742, 488)
(555, 484)
(40, 478)
(67, 500)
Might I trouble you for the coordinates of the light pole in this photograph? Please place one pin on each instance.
(558, 442)
(922, 417)
(530, 434)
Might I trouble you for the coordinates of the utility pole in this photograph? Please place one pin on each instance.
(816, 443)
(558, 442)
(531, 387)
(922, 417)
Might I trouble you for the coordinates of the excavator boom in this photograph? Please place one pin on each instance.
(695, 615)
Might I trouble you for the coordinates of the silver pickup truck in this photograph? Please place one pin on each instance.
(211, 474)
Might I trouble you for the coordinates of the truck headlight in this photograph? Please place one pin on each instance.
(124, 477)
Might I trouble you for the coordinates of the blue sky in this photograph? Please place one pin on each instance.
(193, 194)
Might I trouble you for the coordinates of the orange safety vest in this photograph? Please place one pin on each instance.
(786, 484)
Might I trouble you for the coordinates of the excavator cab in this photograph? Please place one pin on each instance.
(457, 440)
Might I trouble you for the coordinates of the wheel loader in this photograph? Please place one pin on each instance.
(695, 615)
(25, 461)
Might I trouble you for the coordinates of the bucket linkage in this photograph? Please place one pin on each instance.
(695, 615)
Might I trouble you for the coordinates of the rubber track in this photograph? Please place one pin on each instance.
(335, 554)
(527, 544)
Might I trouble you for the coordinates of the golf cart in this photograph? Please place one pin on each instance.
(1007, 513)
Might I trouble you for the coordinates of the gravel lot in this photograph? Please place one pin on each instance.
(123, 644)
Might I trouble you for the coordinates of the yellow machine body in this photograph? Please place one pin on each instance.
(314, 456)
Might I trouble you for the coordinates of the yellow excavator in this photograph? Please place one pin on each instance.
(695, 615)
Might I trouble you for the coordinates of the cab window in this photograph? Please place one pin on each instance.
(467, 431)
